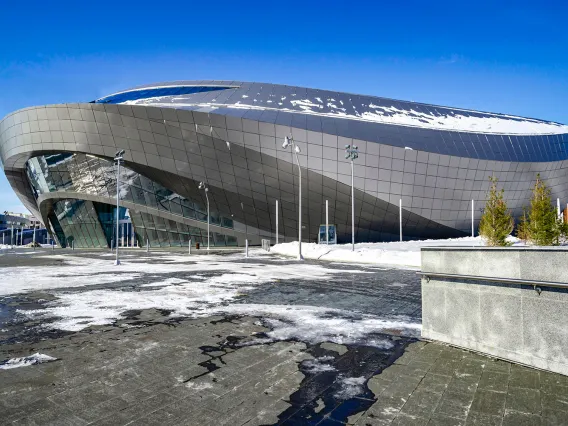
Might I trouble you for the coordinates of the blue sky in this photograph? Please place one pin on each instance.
(509, 57)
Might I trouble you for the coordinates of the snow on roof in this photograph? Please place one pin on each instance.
(357, 107)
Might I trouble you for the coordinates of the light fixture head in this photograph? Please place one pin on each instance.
(347, 146)
(355, 147)
(287, 142)
(347, 155)
(297, 149)
(201, 185)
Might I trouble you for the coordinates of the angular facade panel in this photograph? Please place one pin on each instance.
(58, 159)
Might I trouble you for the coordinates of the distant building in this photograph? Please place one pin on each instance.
(229, 134)
(7, 219)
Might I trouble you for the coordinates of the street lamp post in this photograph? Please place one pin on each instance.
(206, 189)
(352, 153)
(289, 142)
(118, 158)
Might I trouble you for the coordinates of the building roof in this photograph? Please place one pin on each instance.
(265, 102)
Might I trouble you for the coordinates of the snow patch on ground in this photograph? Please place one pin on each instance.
(195, 295)
(34, 359)
(81, 271)
(198, 386)
(164, 283)
(204, 286)
(402, 254)
(350, 387)
(318, 365)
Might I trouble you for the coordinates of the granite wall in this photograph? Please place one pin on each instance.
(520, 322)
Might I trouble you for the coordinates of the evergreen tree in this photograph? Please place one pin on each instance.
(496, 223)
(544, 227)
(523, 228)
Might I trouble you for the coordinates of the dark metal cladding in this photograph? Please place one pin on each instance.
(229, 134)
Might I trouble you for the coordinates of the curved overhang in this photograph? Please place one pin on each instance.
(46, 201)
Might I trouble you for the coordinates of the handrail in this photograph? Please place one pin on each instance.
(533, 283)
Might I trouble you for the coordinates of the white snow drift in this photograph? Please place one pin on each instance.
(405, 254)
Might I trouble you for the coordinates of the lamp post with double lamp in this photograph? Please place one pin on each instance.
(206, 189)
(352, 153)
(118, 158)
(289, 142)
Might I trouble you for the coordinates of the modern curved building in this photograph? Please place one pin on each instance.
(229, 134)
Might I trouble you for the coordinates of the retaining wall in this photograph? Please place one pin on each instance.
(525, 322)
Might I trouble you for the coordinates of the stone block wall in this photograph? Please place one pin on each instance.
(517, 322)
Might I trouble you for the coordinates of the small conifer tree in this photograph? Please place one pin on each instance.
(496, 223)
(523, 228)
(544, 227)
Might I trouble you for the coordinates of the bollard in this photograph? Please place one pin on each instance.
(190, 246)
(72, 245)
(147, 245)
(246, 248)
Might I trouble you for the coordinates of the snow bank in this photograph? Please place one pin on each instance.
(36, 358)
(404, 254)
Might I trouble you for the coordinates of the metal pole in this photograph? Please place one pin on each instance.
(117, 262)
(276, 221)
(472, 228)
(190, 246)
(558, 207)
(299, 207)
(326, 221)
(208, 217)
(147, 245)
(400, 216)
(247, 248)
(34, 243)
(12, 237)
(352, 209)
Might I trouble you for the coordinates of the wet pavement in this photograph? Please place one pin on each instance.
(150, 367)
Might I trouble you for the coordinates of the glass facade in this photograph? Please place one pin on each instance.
(93, 224)
(79, 224)
(134, 95)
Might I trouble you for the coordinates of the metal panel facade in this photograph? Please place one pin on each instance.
(237, 151)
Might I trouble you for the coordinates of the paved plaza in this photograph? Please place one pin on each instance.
(259, 341)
